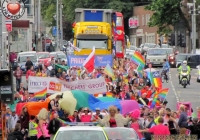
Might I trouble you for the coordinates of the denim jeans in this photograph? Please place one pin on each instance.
(18, 81)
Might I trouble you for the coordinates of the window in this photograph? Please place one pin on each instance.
(138, 18)
(88, 44)
(143, 20)
(28, 6)
(118, 46)
(119, 21)
(147, 18)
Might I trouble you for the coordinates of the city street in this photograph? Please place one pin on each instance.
(179, 94)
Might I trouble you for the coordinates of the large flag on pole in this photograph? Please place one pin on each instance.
(89, 62)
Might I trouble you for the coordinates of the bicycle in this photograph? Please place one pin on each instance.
(164, 76)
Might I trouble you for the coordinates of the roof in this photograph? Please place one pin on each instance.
(43, 52)
(27, 52)
(91, 128)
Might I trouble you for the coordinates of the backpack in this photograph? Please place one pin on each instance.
(11, 136)
(197, 127)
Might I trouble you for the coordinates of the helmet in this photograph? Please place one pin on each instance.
(185, 62)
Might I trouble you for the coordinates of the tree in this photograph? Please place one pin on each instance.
(166, 14)
(124, 6)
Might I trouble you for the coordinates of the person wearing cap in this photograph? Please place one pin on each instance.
(86, 117)
(12, 121)
(97, 115)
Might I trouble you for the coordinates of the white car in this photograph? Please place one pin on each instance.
(198, 73)
(59, 55)
(130, 51)
(80, 133)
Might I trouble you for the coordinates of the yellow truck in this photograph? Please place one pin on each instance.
(89, 34)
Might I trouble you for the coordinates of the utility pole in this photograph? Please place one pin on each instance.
(39, 27)
(194, 28)
(61, 26)
(36, 25)
(57, 28)
(1, 47)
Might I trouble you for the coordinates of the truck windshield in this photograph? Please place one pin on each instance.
(88, 44)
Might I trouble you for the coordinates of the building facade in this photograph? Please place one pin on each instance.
(142, 33)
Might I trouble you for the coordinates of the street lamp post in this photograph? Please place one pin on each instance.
(61, 26)
(57, 18)
(194, 28)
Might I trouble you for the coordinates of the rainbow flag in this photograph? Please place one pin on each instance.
(140, 71)
(108, 70)
(155, 78)
(138, 59)
(163, 93)
(64, 123)
(41, 94)
(109, 94)
(155, 100)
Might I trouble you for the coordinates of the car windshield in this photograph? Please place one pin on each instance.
(121, 134)
(62, 56)
(80, 135)
(165, 46)
(169, 51)
(181, 57)
(150, 45)
(132, 48)
(53, 55)
(43, 55)
(23, 58)
(157, 52)
(88, 44)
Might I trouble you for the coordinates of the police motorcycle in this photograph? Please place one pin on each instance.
(184, 76)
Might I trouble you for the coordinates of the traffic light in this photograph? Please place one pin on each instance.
(171, 39)
(183, 43)
(6, 86)
(179, 40)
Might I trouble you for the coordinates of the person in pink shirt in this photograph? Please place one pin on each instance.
(86, 116)
(134, 122)
(159, 129)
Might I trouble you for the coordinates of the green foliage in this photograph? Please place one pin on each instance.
(49, 9)
(166, 14)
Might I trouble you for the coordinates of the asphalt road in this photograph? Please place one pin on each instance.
(176, 92)
(179, 94)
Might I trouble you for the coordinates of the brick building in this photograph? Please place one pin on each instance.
(142, 33)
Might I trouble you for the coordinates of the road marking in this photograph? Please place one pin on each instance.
(173, 88)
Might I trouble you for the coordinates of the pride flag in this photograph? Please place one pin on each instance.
(64, 123)
(155, 78)
(41, 94)
(140, 70)
(163, 93)
(138, 59)
(155, 100)
(108, 70)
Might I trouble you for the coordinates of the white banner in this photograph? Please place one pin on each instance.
(53, 85)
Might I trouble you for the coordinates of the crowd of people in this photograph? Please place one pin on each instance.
(126, 84)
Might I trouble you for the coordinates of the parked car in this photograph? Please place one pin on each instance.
(80, 133)
(121, 133)
(147, 46)
(198, 73)
(44, 57)
(130, 51)
(22, 58)
(156, 56)
(59, 56)
(193, 60)
(165, 46)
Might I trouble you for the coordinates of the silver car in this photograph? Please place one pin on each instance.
(157, 56)
(147, 46)
(130, 51)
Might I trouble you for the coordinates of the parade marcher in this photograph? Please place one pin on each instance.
(16, 134)
(53, 126)
(13, 121)
(53, 105)
(24, 119)
(28, 64)
(86, 116)
(183, 120)
(18, 74)
(33, 128)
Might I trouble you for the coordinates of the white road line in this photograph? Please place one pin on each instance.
(173, 88)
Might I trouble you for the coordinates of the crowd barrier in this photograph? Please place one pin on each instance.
(174, 137)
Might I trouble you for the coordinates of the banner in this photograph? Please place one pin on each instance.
(53, 85)
(100, 60)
